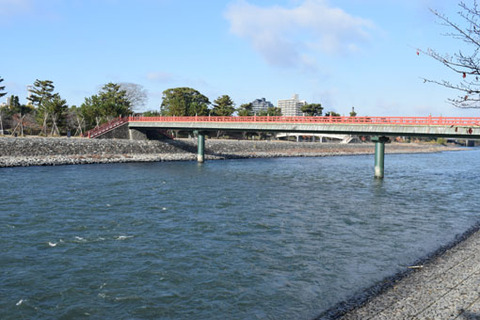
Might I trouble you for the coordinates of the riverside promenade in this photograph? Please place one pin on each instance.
(445, 287)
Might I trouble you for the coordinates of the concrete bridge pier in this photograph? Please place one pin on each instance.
(200, 146)
(379, 155)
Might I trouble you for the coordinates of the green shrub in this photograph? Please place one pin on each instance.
(442, 141)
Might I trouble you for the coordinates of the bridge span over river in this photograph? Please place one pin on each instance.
(378, 127)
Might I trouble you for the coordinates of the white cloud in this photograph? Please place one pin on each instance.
(291, 36)
(160, 77)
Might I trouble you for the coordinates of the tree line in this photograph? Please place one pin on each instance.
(190, 102)
(48, 114)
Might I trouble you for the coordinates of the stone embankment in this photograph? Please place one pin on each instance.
(445, 285)
(59, 151)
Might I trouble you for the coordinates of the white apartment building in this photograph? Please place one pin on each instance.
(292, 107)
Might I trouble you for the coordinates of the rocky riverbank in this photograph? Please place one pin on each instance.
(443, 285)
(59, 151)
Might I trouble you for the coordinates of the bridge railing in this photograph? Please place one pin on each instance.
(112, 124)
(431, 121)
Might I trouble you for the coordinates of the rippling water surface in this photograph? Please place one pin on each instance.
(239, 239)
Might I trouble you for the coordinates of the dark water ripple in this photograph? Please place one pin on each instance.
(237, 239)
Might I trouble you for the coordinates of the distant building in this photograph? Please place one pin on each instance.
(261, 105)
(292, 107)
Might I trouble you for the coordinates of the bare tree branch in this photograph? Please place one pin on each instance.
(466, 65)
(136, 94)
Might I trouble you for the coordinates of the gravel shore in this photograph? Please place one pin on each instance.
(445, 285)
(61, 151)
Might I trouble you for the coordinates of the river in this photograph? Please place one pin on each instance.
(283, 238)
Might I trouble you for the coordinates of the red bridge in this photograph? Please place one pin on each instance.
(379, 127)
(460, 127)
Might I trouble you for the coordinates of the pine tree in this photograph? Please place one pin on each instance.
(109, 103)
(56, 108)
(184, 102)
(223, 106)
(312, 109)
(2, 88)
(41, 93)
(245, 110)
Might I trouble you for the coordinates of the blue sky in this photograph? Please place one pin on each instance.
(340, 53)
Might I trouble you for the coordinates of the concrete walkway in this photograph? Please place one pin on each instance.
(447, 287)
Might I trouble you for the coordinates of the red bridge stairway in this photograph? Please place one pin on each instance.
(106, 127)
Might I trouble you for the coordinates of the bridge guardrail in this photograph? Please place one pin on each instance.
(430, 121)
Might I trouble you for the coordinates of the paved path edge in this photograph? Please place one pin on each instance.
(362, 297)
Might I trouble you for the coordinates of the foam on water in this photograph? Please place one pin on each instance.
(123, 237)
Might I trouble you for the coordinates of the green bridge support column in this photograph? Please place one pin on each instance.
(379, 156)
(200, 147)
